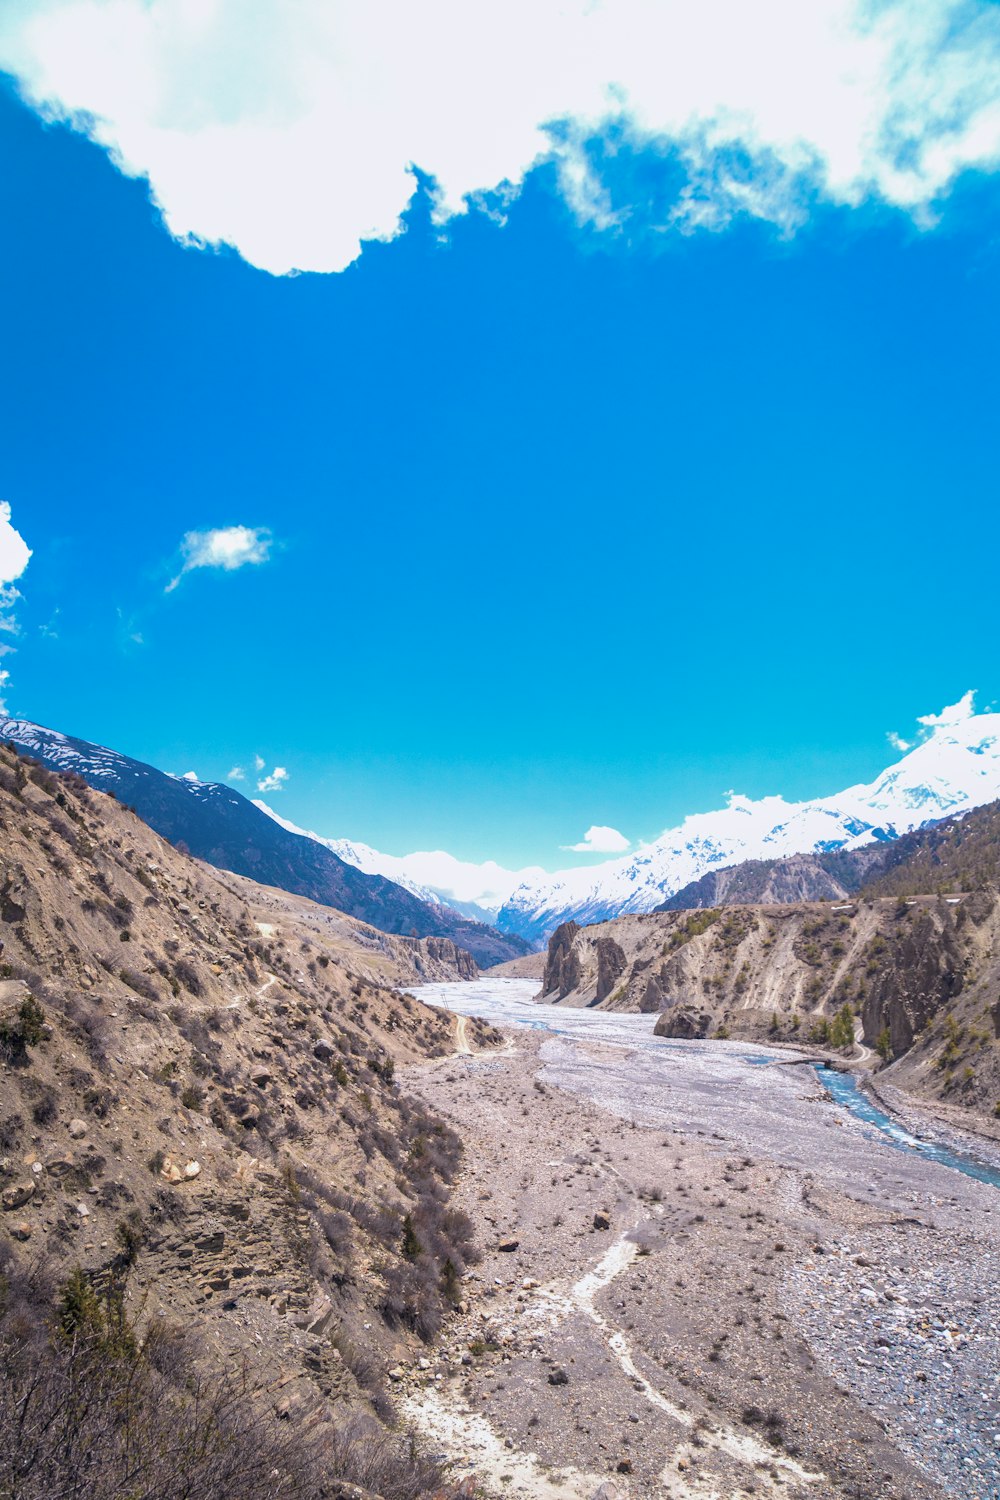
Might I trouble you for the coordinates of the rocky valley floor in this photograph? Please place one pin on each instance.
(701, 1279)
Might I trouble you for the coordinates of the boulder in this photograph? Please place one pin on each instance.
(77, 1129)
(21, 1231)
(17, 1195)
(177, 1169)
(324, 1050)
(58, 1166)
(686, 1022)
(507, 1246)
(602, 1221)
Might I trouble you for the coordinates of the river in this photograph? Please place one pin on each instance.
(718, 1070)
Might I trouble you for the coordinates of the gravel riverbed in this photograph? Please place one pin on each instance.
(749, 1293)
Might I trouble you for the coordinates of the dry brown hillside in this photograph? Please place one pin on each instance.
(200, 1128)
(916, 980)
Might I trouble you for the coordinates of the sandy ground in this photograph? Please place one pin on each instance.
(736, 1329)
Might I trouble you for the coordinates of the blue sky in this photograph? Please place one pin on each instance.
(560, 523)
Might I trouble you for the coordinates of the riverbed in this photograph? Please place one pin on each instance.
(798, 1267)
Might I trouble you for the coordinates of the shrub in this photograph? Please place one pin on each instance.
(187, 976)
(46, 1107)
(23, 1029)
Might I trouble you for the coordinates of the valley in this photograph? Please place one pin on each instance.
(597, 1223)
(703, 1277)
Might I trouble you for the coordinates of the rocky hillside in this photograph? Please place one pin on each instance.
(206, 1164)
(959, 854)
(830, 876)
(215, 823)
(916, 980)
(956, 854)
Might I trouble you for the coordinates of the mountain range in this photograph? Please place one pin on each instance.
(767, 849)
(957, 767)
(215, 823)
(476, 891)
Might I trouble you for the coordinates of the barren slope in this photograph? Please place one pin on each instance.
(197, 1105)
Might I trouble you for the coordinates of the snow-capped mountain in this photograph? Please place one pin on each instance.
(219, 825)
(475, 890)
(957, 767)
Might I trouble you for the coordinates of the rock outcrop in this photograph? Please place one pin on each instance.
(915, 978)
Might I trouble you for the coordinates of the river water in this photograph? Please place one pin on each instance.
(700, 1085)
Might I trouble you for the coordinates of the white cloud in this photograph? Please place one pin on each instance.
(292, 131)
(954, 713)
(228, 548)
(600, 840)
(258, 763)
(957, 713)
(238, 774)
(274, 781)
(15, 554)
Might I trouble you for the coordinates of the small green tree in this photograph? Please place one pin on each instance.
(883, 1044)
(842, 1027)
(450, 1281)
(411, 1244)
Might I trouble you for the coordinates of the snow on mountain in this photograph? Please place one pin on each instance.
(475, 890)
(957, 767)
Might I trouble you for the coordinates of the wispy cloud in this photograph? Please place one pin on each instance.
(600, 839)
(234, 117)
(227, 547)
(954, 713)
(274, 781)
(237, 774)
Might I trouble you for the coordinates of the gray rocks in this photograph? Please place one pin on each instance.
(77, 1129)
(684, 1021)
(176, 1169)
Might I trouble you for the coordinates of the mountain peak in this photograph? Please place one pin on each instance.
(955, 767)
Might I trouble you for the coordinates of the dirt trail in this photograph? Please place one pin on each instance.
(863, 1053)
(462, 1043)
(742, 1447)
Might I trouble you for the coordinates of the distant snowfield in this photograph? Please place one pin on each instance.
(956, 768)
